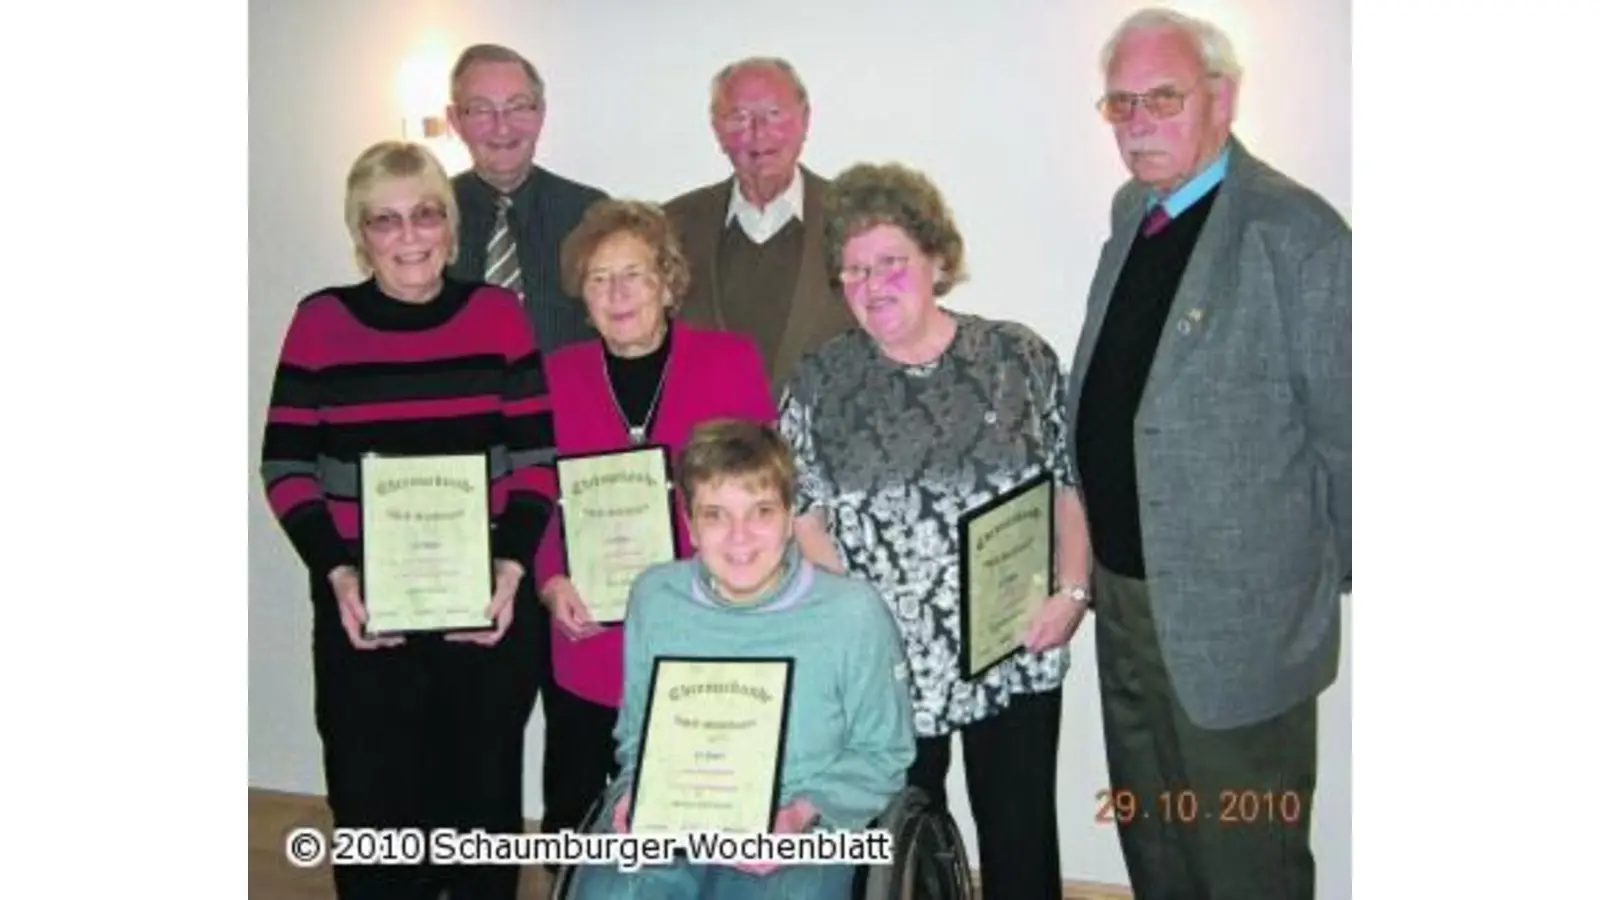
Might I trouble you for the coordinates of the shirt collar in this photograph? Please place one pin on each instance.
(519, 195)
(789, 203)
(1195, 188)
(792, 588)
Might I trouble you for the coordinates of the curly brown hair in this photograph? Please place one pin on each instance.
(646, 221)
(867, 195)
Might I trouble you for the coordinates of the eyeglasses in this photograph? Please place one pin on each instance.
(628, 280)
(517, 112)
(1162, 103)
(743, 119)
(882, 266)
(425, 217)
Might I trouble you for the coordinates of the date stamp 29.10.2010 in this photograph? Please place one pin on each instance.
(1188, 807)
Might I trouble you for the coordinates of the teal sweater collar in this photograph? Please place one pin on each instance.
(791, 589)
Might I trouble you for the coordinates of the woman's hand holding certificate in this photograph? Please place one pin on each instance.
(1054, 624)
(507, 575)
(793, 817)
(567, 609)
(346, 583)
(619, 813)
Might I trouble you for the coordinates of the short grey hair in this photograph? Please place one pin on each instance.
(1216, 50)
(777, 64)
(494, 53)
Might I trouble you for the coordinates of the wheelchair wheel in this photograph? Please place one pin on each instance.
(930, 860)
(561, 885)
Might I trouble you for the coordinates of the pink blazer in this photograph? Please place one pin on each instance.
(709, 375)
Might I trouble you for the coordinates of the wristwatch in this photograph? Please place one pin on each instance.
(1080, 593)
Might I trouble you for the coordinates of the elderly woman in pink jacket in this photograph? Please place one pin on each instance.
(648, 379)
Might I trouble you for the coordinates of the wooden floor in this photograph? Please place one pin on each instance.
(273, 815)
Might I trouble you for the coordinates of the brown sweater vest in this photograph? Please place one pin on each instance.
(757, 281)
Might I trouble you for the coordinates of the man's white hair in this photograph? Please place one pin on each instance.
(719, 82)
(1216, 51)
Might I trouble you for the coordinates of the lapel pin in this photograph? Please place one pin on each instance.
(1195, 315)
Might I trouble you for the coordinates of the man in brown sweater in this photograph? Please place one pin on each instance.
(754, 240)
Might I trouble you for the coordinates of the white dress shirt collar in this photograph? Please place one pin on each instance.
(760, 225)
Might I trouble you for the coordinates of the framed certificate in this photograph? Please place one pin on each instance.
(426, 564)
(1007, 571)
(711, 751)
(616, 521)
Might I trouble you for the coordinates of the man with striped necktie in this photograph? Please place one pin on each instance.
(514, 214)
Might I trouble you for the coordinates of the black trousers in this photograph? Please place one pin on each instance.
(1010, 761)
(1202, 814)
(427, 735)
(580, 756)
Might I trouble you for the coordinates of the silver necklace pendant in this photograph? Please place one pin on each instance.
(636, 433)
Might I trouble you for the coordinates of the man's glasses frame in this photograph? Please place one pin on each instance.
(481, 114)
(1162, 103)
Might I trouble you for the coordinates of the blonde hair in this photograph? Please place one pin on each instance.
(736, 448)
(388, 161)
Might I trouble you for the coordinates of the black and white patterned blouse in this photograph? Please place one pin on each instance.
(895, 454)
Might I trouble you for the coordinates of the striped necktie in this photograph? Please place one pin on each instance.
(503, 268)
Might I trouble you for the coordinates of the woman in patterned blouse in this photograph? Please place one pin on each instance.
(900, 427)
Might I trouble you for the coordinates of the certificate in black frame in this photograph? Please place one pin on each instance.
(488, 535)
(964, 528)
(669, 488)
(788, 663)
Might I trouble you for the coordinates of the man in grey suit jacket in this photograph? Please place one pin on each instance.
(1211, 402)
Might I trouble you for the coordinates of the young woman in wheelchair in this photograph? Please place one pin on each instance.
(748, 592)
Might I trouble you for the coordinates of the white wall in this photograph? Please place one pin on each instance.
(994, 100)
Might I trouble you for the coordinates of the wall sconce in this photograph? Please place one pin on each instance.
(423, 88)
(425, 128)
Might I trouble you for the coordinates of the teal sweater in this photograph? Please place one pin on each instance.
(850, 738)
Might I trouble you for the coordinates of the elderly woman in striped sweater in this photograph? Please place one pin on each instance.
(425, 731)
